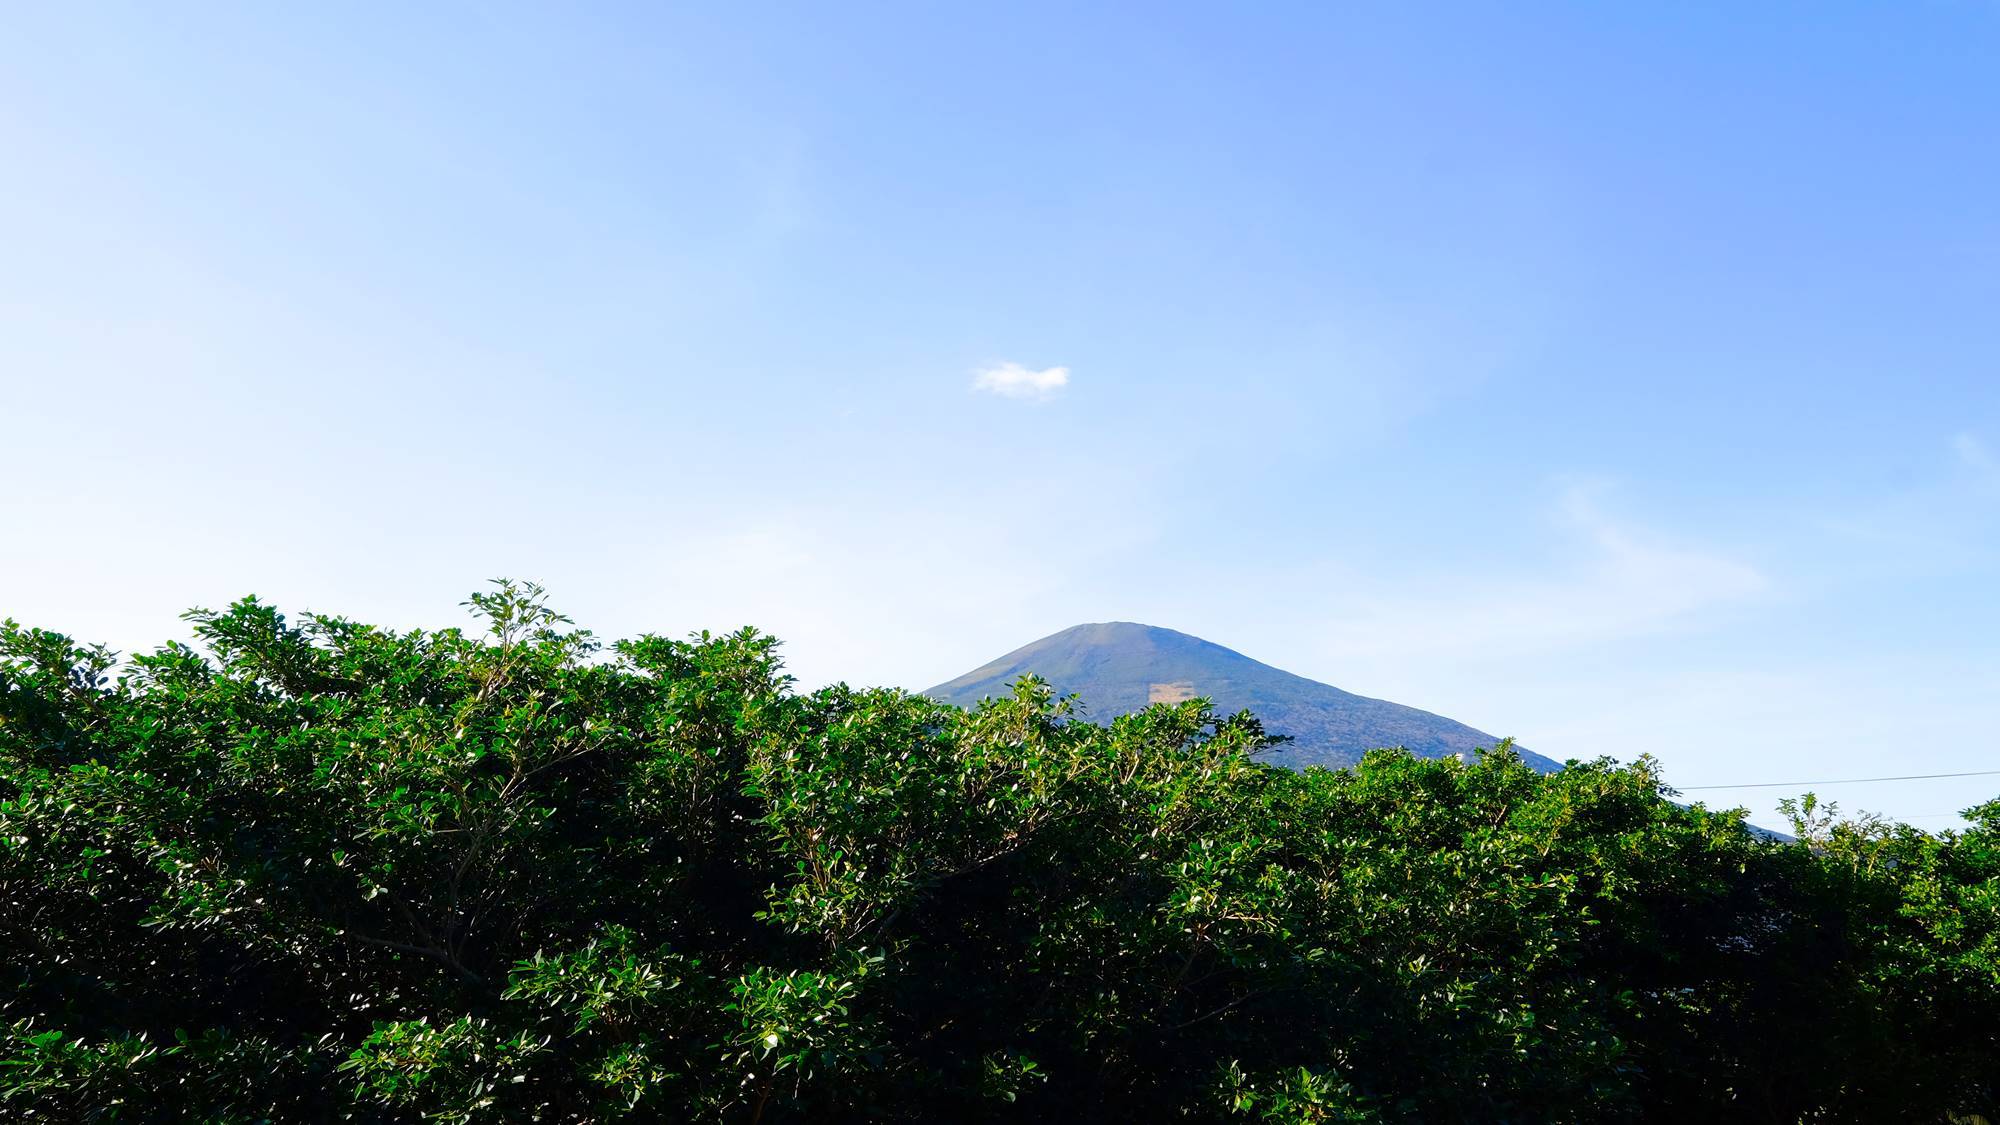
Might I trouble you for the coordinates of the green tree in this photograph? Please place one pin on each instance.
(317, 870)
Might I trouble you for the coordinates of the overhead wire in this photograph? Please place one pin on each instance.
(1839, 781)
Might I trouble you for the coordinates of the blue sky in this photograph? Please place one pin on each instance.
(1626, 381)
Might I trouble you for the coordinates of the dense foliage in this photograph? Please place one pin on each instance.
(316, 870)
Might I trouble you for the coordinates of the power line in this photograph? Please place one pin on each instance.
(1842, 781)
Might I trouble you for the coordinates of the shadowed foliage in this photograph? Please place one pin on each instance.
(314, 870)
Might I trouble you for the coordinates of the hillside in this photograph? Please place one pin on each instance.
(1117, 667)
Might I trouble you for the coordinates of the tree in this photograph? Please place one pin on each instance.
(318, 870)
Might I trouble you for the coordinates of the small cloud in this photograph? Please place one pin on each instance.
(1011, 380)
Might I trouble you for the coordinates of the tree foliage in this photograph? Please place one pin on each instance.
(317, 870)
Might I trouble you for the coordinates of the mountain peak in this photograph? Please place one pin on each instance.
(1117, 667)
(1113, 632)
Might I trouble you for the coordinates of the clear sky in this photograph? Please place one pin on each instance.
(1624, 380)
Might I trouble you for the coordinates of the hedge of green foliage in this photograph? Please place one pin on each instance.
(316, 870)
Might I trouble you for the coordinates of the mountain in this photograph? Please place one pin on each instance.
(1118, 667)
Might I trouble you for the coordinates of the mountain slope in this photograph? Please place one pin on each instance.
(1118, 667)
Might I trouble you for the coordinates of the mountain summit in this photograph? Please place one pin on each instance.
(1117, 667)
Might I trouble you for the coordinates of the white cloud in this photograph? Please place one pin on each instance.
(863, 594)
(1011, 380)
(1973, 454)
(1610, 581)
